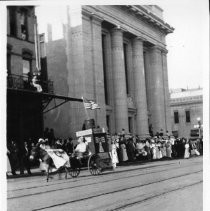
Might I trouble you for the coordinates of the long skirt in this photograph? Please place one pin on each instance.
(123, 153)
(114, 157)
(163, 151)
(186, 153)
(8, 166)
(158, 155)
(154, 153)
(168, 152)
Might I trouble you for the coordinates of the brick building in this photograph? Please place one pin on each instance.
(187, 112)
(24, 110)
(25, 104)
(116, 56)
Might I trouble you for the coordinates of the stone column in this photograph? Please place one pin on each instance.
(120, 96)
(155, 89)
(140, 89)
(166, 90)
(98, 77)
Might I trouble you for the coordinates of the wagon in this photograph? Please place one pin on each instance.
(98, 157)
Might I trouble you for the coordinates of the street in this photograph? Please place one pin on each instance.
(160, 185)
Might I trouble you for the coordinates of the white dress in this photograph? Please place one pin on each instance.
(114, 155)
(187, 152)
(153, 147)
(8, 166)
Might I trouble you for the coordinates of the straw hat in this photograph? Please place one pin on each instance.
(41, 140)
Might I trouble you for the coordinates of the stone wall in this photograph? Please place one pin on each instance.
(75, 63)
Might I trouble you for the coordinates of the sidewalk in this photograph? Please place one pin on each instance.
(35, 172)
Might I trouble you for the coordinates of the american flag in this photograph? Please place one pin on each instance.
(89, 104)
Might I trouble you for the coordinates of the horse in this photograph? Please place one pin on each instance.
(42, 155)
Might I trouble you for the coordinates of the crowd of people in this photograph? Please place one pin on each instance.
(122, 147)
(18, 157)
(131, 148)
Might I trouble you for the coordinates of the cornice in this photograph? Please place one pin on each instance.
(150, 18)
(118, 21)
(90, 15)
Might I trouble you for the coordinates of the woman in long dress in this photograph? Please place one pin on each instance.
(153, 149)
(168, 149)
(114, 156)
(162, 149)
(9, 170)
(158, 152)
(187, 149)
(123, 152)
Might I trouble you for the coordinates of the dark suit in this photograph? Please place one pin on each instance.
(24, 159)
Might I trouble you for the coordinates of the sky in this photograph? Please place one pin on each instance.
(185, 45)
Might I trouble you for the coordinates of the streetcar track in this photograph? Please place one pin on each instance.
(116, 191)
(92, 183)
(167, 164)
(80, 178)
(90, 177)
(154, 196)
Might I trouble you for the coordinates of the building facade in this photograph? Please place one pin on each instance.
(187, 112)
(116, 56)
(24, 111)
(24, 104)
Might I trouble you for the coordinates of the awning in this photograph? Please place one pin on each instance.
(46, 98)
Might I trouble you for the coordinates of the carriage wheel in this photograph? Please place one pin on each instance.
(74, 170)
(93, 166)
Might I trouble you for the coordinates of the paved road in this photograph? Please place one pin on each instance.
(162, 185)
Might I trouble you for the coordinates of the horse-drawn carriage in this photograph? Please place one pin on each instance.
(97, 157)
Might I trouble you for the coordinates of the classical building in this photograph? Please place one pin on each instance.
(116, 56)
(186, 112)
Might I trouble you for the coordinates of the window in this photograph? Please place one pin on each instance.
(26, 61)
(26, 69)
(126, 67)
(12, 21)
(105, 68)
(187, 114)
(23, 24)
(176, 117)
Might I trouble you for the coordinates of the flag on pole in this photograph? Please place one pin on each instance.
(90, 104)
(95, 106)
(87, 103)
